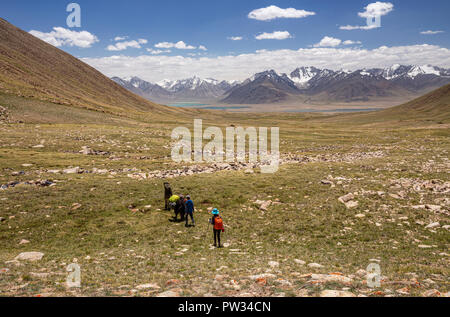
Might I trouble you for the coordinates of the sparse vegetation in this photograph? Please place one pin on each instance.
(114, 226)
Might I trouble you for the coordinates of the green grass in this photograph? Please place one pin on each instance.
(127, 249)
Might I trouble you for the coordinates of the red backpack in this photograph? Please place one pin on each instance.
(218, 223)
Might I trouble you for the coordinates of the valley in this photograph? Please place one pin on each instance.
(83, 163)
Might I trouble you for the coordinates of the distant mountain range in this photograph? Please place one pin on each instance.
(305, 84)
(192, 89)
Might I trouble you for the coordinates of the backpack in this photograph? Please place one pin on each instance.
(218, 223)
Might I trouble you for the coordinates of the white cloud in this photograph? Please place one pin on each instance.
(349, 42)
(376, 9)
(328, 41)
(64, 37)
(431, 32)
(157, 52)
(202, 48)
(179, 45)
(358, 27)
(235, 38)
(274, 12)
(277, 35)
(120, 38)
(240, 67)
(373, 10)
(121, 46)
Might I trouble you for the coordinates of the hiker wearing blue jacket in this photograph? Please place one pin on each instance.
(189, 211)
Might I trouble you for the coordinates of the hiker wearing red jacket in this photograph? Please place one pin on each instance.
(217, 223)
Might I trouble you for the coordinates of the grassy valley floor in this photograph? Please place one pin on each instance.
(303, 241)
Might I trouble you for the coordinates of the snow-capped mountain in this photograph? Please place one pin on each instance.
(311, 83)
(191, 89)
(301, 76)
(304, 84)
(264, 87)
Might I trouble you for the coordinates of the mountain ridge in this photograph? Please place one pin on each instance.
(304, 84)
(32, 68)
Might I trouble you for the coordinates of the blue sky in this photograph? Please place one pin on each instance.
(210, 23)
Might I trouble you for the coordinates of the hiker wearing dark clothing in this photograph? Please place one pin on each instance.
(189, 210)
(180, 208)
(167, 194)
(217, 223)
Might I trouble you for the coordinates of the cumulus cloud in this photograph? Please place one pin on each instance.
(179, 45)
(120, 38)
(376, 9)
(277, 35)
(235, 38)
(240, 67)
(273, 12)
(328, 41)
(431, 32)
(121, 46)
(202, 48)
(373, 10)
(64, 37)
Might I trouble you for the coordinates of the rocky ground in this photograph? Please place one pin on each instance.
(342, 200)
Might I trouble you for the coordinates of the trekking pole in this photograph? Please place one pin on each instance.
(207, 228)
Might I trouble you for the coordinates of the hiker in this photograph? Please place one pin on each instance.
(180, 208)
(173, 200)
(189, 210)
(167, 194)
(217, 222)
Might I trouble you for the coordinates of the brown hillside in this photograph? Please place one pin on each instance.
(30, 67)
(433, 107)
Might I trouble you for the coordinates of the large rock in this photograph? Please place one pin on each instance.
(30, 256)
(348, 201)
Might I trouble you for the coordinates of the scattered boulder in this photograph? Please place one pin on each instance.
(403, 291)
(348, 201)
(315, 265)
(337, 278)
(431, 293)
(29, 256)
(85, 150)
(263, 205)
(332, 293)
(262, 276)
(171, 293)
(300, 262)
(148, 286)
(75, 170)
(433, 225)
